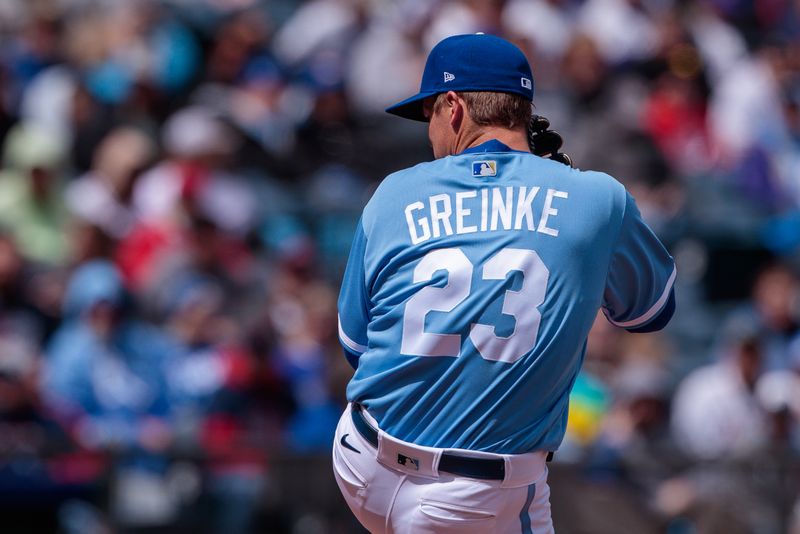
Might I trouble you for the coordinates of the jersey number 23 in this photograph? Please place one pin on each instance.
(521, 304)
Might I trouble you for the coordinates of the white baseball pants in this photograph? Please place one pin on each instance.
(390, 498)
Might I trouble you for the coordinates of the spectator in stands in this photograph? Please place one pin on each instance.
(635, 439)
(103, 196)
(103, 377)
(210, 379)
(193, 178)
(772, 313)
(31, 203)
(715, 413)
(302, 311)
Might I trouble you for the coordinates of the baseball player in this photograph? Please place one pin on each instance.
(467, 299)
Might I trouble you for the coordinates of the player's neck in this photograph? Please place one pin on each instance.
(514, 139)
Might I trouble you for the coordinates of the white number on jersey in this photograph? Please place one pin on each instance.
(459, 280)
(522, 304)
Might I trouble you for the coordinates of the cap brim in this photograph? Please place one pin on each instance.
(411, 108)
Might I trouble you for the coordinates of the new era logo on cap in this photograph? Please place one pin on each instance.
(448, 77)
(526, 83)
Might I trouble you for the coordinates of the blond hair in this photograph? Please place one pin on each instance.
(493, 109)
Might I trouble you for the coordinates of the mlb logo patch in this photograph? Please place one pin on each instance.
(484, 168)
(407, 461)
(526, 83)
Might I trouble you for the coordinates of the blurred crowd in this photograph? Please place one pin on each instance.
(180, 182)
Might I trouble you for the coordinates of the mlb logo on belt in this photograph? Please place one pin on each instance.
(407, 461)
(484, 168)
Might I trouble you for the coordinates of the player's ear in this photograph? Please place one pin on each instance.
(457, 110)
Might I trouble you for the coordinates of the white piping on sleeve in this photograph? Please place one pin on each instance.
(654, 309)
(347, 342)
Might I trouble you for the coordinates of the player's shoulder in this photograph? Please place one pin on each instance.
(599, 185)
(600, 193)
(400, 185)
(419, 173)
(588, 178)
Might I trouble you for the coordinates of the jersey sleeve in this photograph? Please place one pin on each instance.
(639, 292)
(354, 301)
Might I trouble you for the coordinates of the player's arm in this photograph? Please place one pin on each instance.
(639, 294)
(354, 301)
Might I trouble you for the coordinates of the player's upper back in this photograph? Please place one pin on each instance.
(482, 274)
(488, 194)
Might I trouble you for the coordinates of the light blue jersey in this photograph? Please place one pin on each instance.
(471, 287)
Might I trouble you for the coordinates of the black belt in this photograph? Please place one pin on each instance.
(482, 468)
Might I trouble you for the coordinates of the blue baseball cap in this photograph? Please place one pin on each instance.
(474, 62)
